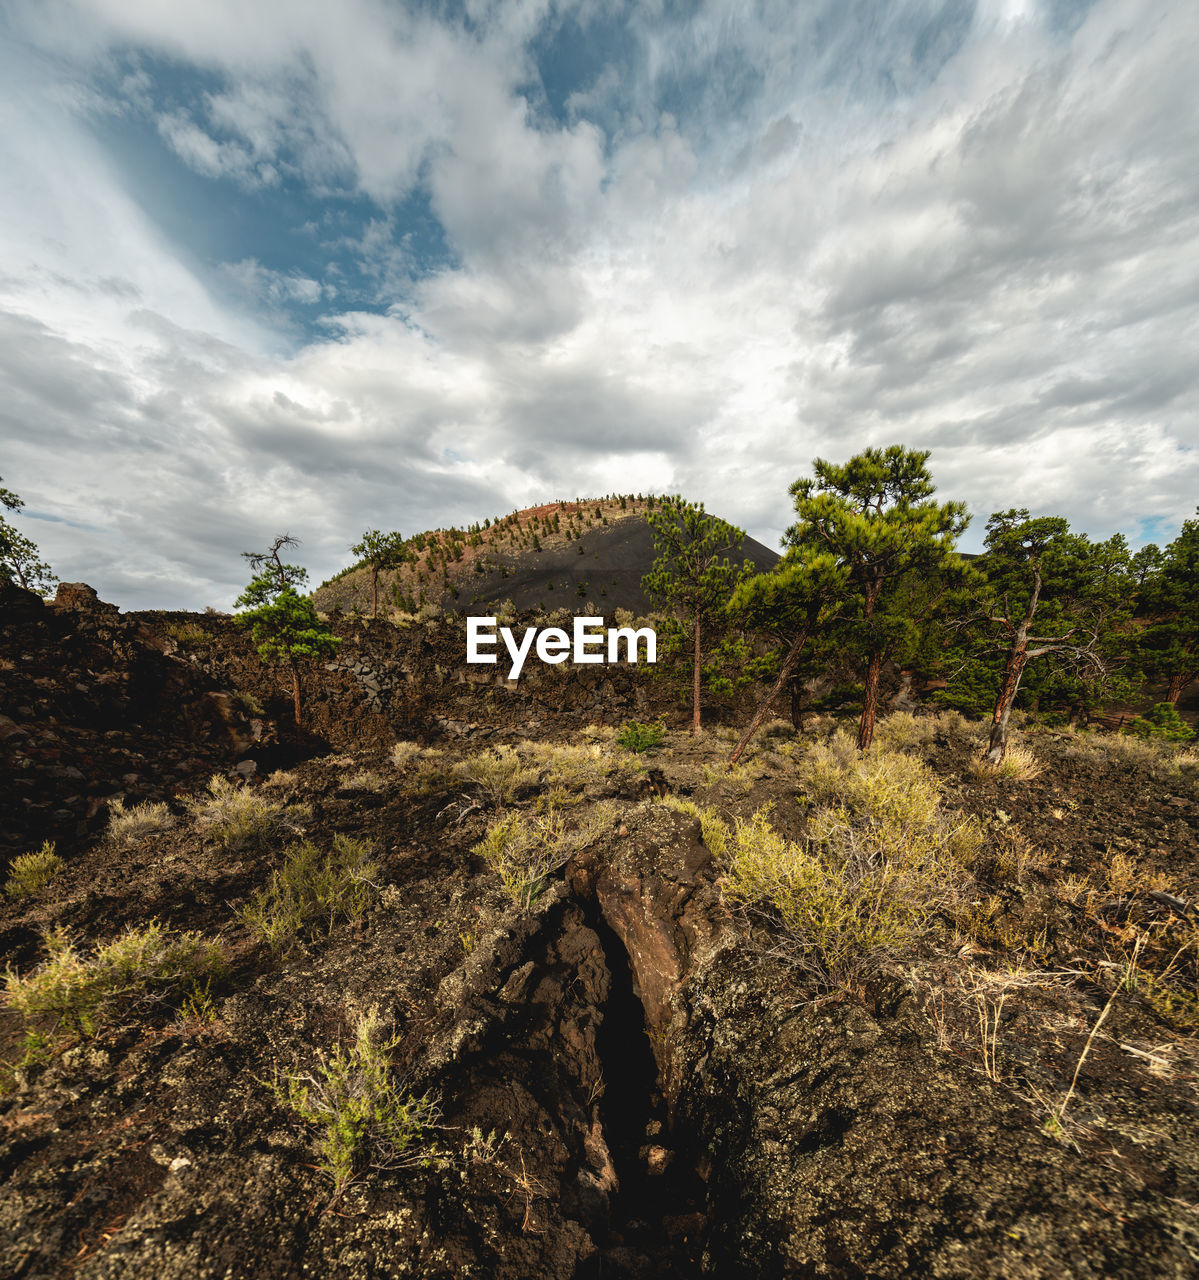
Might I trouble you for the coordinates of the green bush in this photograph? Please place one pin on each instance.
(360, 1109)
(638, 737)
(313, 886)
(1164, 723)
(879, 861)
(31, 871)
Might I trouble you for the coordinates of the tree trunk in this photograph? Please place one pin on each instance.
(997, 746)
(295, 695)
(1017, 657)
(374, 592)
(695, 683)
(1178, 682)
(788, 666)
(870, 701)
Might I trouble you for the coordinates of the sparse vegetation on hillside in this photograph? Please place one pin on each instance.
(76, 992)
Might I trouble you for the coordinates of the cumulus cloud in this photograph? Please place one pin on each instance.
(747, 236)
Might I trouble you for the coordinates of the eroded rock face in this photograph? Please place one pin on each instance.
(81, 597)
(94, 707)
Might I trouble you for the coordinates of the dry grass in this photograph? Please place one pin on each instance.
(1018, 764)
(32, 871)
(237, 818)
(902, 731)
(363, 780)
(524, 850)
(127, 827)
(405, 754)
(501, 774)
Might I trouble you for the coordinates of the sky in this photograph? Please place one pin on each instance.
(314, 268)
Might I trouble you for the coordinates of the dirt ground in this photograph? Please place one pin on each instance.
(631, 1075)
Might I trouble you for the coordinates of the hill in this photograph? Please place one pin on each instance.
(585, 552)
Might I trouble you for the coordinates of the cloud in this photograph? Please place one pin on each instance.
(747, 236)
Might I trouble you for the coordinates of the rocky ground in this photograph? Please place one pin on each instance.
(624, 1073)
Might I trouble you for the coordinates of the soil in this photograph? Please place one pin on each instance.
(632, 1077)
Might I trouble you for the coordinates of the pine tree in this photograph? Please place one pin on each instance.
(20, 560)
(1076, 591)
(380, 551)
(876, 517)
(283, 623)
(790, 603)
(692, 572)
(1170, 597)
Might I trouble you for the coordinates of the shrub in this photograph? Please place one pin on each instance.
(80, 992)
(570, 771)
(361, 1110)
(501, 774)
(739, 777)
(525, 850)
(849, 893)
(311, 886)
(880, 859)
(404, 753)
(187, 633)
(637, 736)
(236, 818)
(901, 731)
(31, 871)
(882, 788)
(127, 826)
(1162, 722)
(1018, 763)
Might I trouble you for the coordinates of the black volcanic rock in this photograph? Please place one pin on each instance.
(601, 569)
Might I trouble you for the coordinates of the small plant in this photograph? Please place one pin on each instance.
(363, 780)
(188, 634)
(637, 736)
(362, 1112)
(404, 753)
(128, 826)
(501, 774)
(32, 871)
(236, 818)
(311, 886)
(1018, 763)
(524, 851)
(198, 1010)
(739, 777)
(79, 992)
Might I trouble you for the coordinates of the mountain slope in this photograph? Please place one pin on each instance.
(562, 554)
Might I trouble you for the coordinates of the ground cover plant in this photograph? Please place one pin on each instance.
(32, 871)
